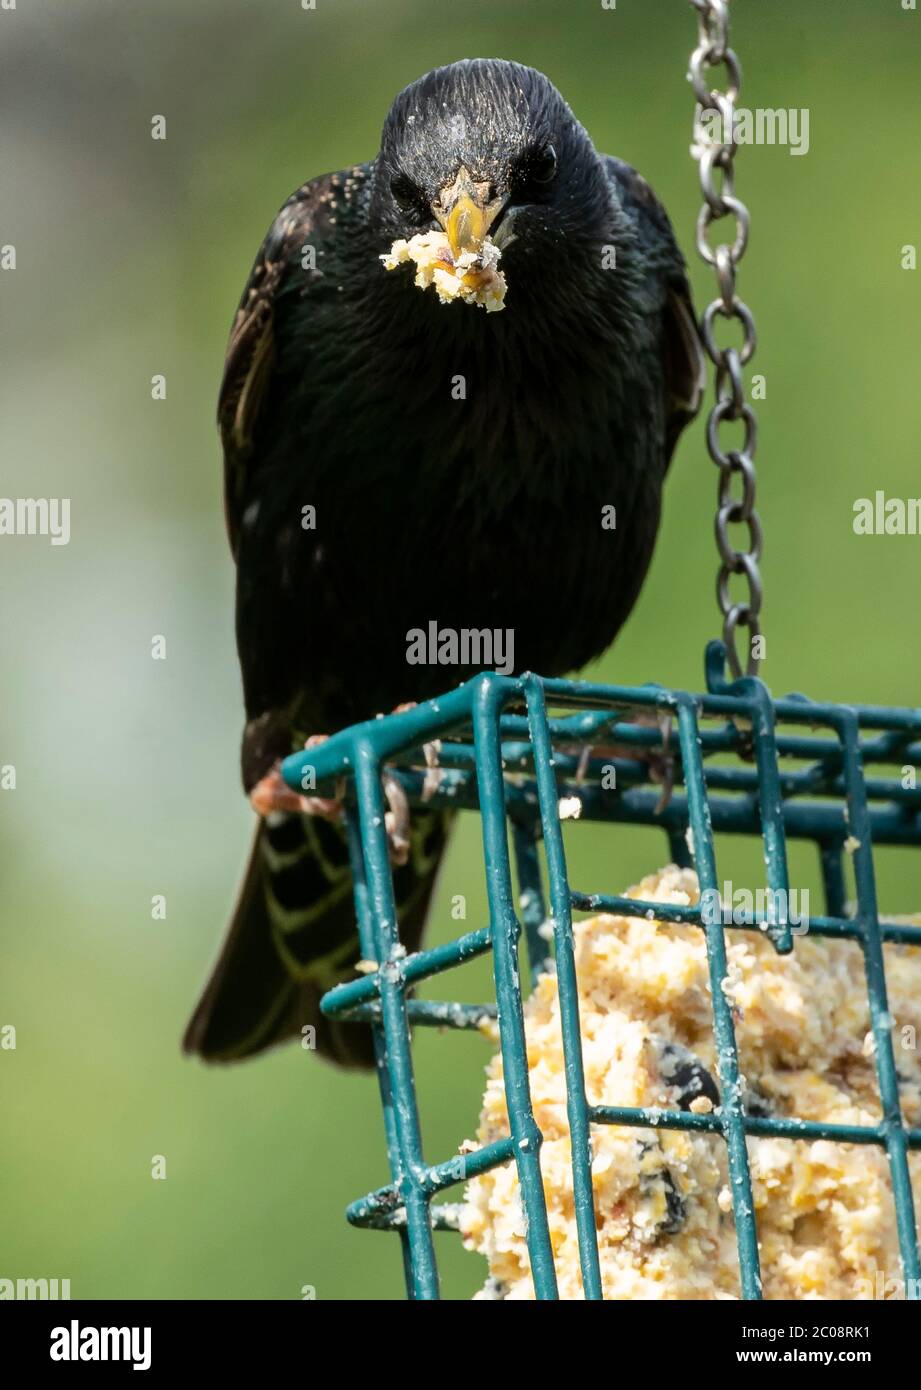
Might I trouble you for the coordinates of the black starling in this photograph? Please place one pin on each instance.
(391, 460)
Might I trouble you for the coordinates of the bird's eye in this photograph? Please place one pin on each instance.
(405, 193)
(533, 172)
(542, 165)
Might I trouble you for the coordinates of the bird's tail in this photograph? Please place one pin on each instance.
(293, 936)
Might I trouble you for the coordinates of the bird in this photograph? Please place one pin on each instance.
(390, 460)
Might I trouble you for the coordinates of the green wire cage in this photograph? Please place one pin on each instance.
(744, 765)
(503, 754)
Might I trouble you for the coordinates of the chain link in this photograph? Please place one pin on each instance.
(716, 156)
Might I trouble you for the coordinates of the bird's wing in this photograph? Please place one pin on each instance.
(250, 360)
(685, 365)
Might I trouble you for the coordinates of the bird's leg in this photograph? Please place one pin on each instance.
(662, 763)
(396, 819)
(430, 752)
(272, 793)
(585, 758)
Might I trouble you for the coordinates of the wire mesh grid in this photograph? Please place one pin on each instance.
(501, 752)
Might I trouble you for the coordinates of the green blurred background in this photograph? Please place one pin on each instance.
(131, 256)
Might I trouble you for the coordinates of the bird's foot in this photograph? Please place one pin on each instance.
(397, 819)
(660, 761)
(272, 793)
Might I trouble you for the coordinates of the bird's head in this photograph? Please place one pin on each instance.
(484, 148)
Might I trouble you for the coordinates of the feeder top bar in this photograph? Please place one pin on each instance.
(385, 739)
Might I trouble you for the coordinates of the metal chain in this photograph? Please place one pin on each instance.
(717, 156)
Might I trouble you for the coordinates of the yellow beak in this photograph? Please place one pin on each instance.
(464, 213)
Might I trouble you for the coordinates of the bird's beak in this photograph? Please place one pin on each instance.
(464, 213)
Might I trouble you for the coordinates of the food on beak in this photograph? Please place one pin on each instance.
(468, 274)
(461, 260)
